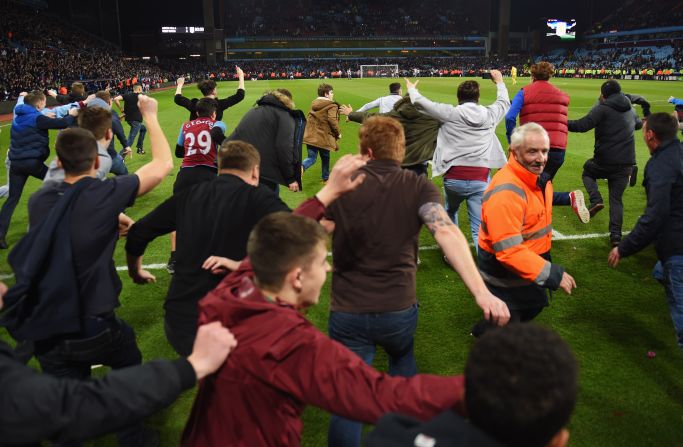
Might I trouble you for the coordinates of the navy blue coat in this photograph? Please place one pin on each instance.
(29, 138)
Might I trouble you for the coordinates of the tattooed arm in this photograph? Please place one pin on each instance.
(454, 246)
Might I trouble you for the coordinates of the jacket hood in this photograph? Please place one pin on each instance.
(406, 109)
(235, 299)
(618, 102)
(275, 98)
(24, 109)
(472, 114)
(320, 104)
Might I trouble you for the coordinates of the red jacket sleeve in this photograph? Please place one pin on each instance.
(312, 208)
(321, 372)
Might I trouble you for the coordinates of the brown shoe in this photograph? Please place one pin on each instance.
(594, 209)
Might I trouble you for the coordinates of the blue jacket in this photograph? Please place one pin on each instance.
(29, 138)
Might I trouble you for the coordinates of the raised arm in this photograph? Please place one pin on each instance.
(500, 107)
(152, 173)
(38, 407)
(438, 111)
(511, 116)
(179, 85)
(457, 251)
(370, 105)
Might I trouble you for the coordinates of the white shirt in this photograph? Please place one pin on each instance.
(385, 103)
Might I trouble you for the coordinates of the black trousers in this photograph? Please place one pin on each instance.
(106, 340)
(617, 179)
(19, 172)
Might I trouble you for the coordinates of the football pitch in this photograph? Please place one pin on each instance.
(612, 320)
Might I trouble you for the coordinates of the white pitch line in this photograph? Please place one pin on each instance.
(557, 236)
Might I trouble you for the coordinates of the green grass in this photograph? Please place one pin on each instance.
(612, 320)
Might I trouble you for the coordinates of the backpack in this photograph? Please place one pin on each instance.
(44, 302)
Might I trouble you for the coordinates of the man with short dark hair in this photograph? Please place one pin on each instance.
(284, 363)
(213, 220)
(208, 89)
(133, 117)
(662, 221)
(197, 146)
(467, 147)
(385, 103)
(521, 386)
(614, 121)
(28, 149)
(103, 338)
(374, 245)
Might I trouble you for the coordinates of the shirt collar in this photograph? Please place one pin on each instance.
(522, 173)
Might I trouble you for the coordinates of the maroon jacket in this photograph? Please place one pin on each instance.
(283, 363)
(547, 106)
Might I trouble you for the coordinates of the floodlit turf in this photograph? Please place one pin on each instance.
(612, 320)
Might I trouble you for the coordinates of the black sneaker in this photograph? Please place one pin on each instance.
(170, 267)
(141, 151)
(3, 244)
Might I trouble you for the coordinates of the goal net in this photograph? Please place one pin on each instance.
(379, 71)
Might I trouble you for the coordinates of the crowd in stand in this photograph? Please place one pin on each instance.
(39, 51)
(642, 14)
(352, 18)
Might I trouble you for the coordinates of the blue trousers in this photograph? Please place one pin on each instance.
(324, 158)
(670, 275)
(361, 333)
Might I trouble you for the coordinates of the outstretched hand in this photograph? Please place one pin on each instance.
(567, 283)
(211, 347)
(148, 106)
(495, 310)
(343, 178)
(614, 257)
(410, 85)
(219, 265)
(345, 109)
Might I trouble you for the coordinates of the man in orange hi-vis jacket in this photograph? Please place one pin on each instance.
(516, 230)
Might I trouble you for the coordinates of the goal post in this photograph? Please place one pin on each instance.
(379, 71)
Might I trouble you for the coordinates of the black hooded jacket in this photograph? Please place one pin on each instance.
(614, 121)
(272, 128)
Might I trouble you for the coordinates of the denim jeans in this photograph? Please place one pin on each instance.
(20, 171)
(670, 274)
(135, 127)
(324, 158)
(471, 190)
(118, 167)
(361, 333)
(108, 341)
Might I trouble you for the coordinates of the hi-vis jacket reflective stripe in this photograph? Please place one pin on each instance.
(516, 230)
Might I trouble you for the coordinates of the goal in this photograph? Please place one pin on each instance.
(379, 71)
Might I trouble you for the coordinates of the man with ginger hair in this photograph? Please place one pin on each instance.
(375, 259)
